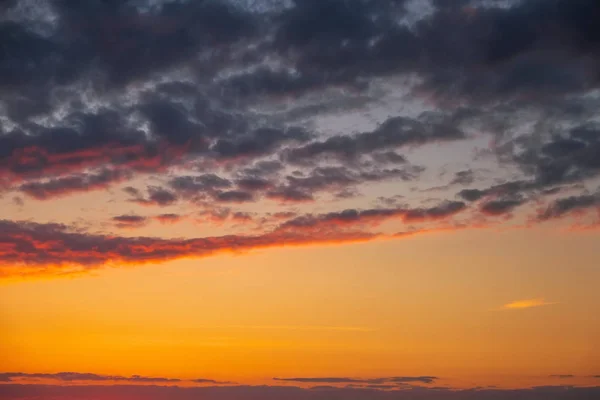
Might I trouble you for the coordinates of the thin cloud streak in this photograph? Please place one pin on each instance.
(530, 303)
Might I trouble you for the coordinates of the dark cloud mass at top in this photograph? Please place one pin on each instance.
(206, 104)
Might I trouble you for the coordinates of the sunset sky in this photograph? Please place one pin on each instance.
(300, 199)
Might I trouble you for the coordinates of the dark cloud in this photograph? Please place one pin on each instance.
(562, 160)
(194, 185)
(463, 178)
(290, 194)
(319, 380)
(130, 221)
(13, 392)
(126, 43)
(389, 157)
(85, 140)
(500, 207)
(395, 379)
(350, 217)
(212, 381)
(78, 376)
(55, 187)
(472, 194)
(168, 218)
(263, 168)
(130, 190)
(252, 184)
(102, 92)
(395, 132)
(567, 205)
(97, 87)
(32, 248)
(260, 142)
(157, 196)
(303, 187)
(234, 196)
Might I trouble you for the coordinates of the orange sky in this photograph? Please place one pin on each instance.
(382, 308)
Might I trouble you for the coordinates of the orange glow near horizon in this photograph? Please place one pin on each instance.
(319, 311)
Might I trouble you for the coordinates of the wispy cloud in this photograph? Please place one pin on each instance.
(399, 380)
(529, 303)
(83, 377)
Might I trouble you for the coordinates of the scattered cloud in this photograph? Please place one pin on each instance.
(199, 107)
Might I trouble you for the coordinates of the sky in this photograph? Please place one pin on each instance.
(303, 199)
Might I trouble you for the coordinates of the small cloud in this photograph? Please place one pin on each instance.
(521, 304)
(564, 376)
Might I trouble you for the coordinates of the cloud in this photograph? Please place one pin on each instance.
(522, 304)
(376, 216)
(217, 104)
(156, 196)
(32, 249)
(168, 218)
(571, 204)
(500, 207)
(234, 196)
(395, 379)
(78, 376)
(55, 187)
(152, 392)
(394, 132)
(130, 221)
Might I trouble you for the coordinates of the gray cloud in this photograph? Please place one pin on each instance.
(12, 391)
(395, 379)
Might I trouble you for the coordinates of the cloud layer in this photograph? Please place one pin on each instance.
(291, 123)
(13, 392)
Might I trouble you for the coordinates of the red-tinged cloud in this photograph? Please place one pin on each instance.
(32, 249)
(28, 248)
(71, 152)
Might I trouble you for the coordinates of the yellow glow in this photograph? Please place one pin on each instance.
(526, 304)
(418, 306)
